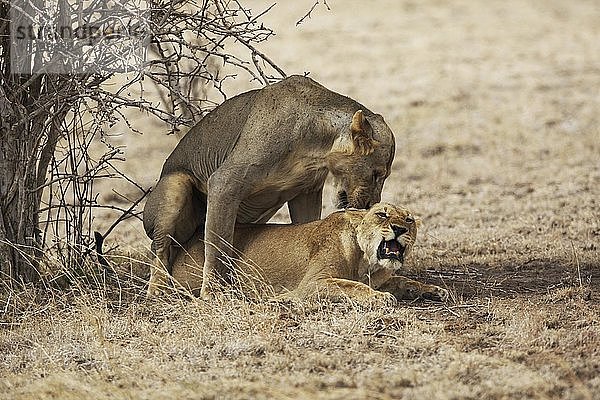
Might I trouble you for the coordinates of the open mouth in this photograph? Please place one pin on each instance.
(391, 249)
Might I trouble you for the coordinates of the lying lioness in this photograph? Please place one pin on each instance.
(353, 254)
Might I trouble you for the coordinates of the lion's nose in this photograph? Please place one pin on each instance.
(399, 230)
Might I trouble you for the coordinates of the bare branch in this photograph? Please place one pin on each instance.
(309, 13)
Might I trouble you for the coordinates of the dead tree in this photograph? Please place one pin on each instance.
(55, 58)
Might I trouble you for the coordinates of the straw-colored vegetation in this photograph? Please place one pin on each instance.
(496, 109)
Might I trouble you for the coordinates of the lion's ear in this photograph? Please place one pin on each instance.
(360, 130)
(418, 221)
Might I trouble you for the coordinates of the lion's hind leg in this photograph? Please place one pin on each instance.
(408, 289)
(173, 212)
(188, 265)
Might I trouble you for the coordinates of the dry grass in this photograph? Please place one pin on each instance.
(496, 110)
(87, 345)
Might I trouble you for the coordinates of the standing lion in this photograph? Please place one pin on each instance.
(255, 152)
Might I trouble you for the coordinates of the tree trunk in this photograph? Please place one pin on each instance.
(25, 142)
(19, 198)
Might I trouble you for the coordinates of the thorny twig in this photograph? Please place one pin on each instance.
(309, 13)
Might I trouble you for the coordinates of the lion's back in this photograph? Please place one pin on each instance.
(277, 255)
(204, 148)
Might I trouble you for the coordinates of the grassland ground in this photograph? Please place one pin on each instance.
(495, 106)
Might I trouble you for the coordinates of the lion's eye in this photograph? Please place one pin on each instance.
(382, 215)
(409, 220)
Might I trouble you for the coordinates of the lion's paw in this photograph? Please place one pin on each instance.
(158, 285)
(435, 293)
(155, 291)
(384, 299)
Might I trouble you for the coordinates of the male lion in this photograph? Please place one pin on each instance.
(351, 254)
(257, 151)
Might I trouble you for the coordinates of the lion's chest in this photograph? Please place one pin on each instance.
(276, 189)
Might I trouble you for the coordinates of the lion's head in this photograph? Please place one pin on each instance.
(361, 161)
(386, 235)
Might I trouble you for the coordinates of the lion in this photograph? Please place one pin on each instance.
(254, 153)
(353, 254)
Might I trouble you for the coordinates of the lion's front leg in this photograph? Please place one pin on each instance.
(408, 289)
(226, 189)
(337, 288)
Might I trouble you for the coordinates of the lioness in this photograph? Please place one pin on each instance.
(257, 151)
(352, 253)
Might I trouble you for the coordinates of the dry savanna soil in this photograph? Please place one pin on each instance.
(496, 110)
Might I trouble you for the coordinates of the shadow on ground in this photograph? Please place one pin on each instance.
(539, 276)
